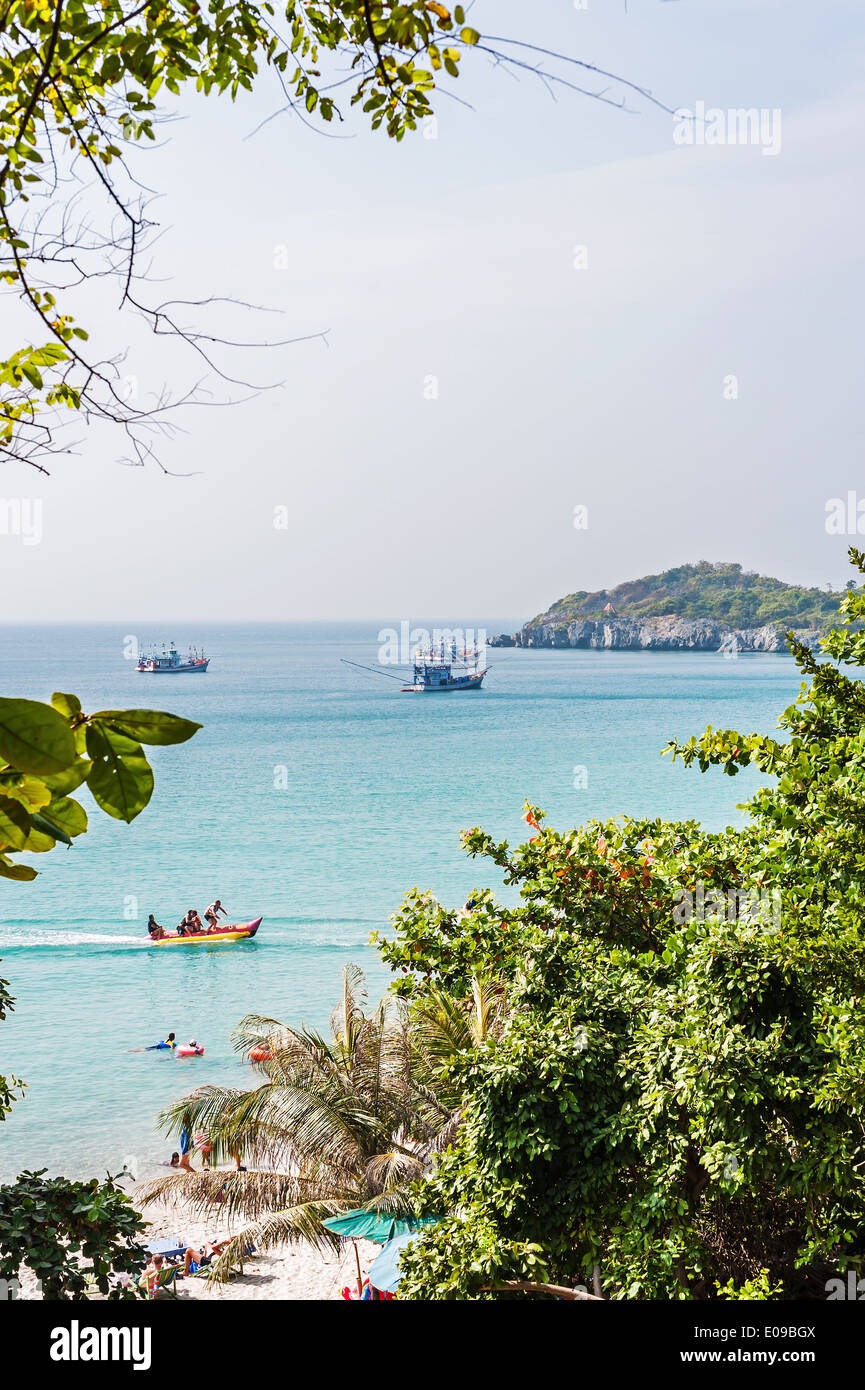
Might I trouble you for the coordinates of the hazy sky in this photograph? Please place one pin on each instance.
(564, 378)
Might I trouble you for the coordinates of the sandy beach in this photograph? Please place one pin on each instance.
(299, 1272)
(291, 1272)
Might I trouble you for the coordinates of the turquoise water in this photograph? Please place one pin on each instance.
(314, 796)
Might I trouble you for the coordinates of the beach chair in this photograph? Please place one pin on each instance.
(162, 1284)
(204, 1271)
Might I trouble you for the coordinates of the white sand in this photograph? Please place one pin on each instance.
(291, 1272)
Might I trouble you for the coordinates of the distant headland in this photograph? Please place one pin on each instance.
(701, 607)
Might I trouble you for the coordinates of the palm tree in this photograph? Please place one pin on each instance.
(333, 1124)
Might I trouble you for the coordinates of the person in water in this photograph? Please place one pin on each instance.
(155, 930)
(168, 1042)
(193, 921)
(211, 916)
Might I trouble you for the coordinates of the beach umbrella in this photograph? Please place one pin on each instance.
(384, 1272)
(379, 1227)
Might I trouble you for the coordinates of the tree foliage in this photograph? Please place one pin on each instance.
(723, 592)
(79, 83)
(77, 1238)
(84, 83)
(676, 1098)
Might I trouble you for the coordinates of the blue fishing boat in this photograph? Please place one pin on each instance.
(168, 661)
(440, 668)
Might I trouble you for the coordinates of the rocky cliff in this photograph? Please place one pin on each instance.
(662, 634)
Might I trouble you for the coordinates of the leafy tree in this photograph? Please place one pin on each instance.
(79, 81)
(675, 1102)
(723, 592)
(77, 1238)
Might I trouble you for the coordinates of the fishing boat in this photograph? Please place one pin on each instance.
(168, 661)
(232, 931)
(437, 668)
(442, 667)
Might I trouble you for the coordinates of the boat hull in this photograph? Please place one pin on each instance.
(234, 931)
(461, 683)
(184, 669)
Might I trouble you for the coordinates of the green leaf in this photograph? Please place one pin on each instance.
(147, 725)
(34, 737)
(22, 873)
(14, 823)
(67, 705)
(32, 792)
(64, 782)
(469, 36)
(63, 819)
(46, 827)
(121, 779)
(68, 814)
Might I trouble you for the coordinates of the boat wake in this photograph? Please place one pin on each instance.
(58, 937)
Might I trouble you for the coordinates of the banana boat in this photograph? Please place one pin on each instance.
(232, 931)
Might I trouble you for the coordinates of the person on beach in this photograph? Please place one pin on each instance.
(149, 1280)
(186, 1151)
(204, 1147)
(168, 1042)
(194, 1260)
(211, 916)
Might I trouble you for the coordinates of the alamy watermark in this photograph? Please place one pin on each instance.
(728, 905)
(845, 516)
(77, 1343)
(851, 1289)
(400, 646)
(22, 517)
(738, 125)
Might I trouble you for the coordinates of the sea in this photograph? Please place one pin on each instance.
(315, 796)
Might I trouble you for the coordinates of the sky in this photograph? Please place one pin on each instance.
(551, 305)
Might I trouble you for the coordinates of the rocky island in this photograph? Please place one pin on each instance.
(702, 607)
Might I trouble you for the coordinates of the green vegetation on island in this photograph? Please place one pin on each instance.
(724, 592)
